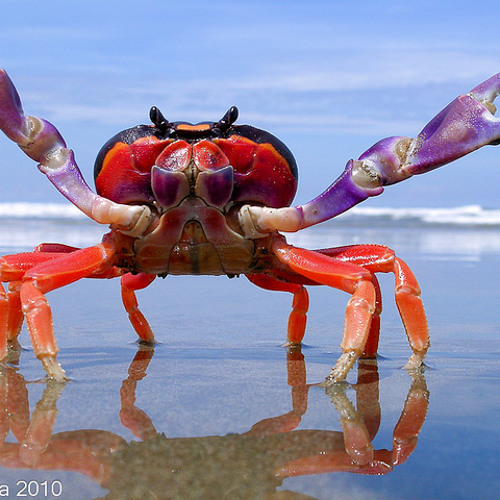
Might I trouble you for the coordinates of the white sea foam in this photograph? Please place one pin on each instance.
(39, 211)
(468, 215)
(467, 231)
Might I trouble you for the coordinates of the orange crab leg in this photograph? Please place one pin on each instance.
(130, 284)
(15, 314)
(377, 258)
(297, 319)
(49, 275)
(345, 276)
(14, 267)
(4, 320)
(11, 315)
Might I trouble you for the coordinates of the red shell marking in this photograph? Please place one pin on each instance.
(125, 174)
(262, 175)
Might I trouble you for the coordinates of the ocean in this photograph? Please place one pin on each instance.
(470, 229)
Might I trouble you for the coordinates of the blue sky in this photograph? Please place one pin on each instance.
(328, 77)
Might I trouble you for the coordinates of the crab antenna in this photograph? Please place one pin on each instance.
(156, 116)
(229, 118)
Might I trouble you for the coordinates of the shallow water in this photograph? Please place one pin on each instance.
(217, 411)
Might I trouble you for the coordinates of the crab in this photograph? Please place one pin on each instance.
(212, 199)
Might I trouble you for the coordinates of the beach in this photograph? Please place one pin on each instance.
(221, 410)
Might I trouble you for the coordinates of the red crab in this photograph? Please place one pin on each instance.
(210, 199)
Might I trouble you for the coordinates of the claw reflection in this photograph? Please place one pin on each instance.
(249, 465)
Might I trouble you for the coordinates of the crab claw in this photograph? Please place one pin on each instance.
(12, 121)
(42, 142)
(466, 124)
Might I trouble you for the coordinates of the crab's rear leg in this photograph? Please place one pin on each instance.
(53, 272)
(297, 319)
(130, 283)
(345, 276)
(380, 259)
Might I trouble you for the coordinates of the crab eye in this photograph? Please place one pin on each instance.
(166, 128)
(228, 119)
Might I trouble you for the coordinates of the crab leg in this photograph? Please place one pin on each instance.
(297, 319)
(4, 319)
(15, 313)
(380, 259)
(344, 276)
(42, 142)
(12, 269)
(50, 272)
(130, 284)
(298, 316)
(466, 124)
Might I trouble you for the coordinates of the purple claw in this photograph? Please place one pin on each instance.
(466, 124)
(487, 92)
(12, 121)
(42, 142)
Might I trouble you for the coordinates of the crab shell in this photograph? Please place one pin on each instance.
(194, 178)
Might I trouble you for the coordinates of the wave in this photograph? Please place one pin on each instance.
(466, 231)
(468, 215)
(27, 210)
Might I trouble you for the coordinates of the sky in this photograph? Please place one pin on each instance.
(329, 78)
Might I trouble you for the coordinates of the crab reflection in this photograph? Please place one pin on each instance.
(249, 465)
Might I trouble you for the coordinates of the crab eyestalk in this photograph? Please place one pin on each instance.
(466, 124)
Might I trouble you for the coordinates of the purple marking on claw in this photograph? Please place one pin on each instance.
(462, 127)
(69, 181)
(44, 140)
(465, 125)
(488, 90)
(338, 197)
(386, 156)
(12, 120)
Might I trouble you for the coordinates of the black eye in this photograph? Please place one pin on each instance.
(165, 128)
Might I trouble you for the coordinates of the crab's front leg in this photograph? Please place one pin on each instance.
(466, 124)
(40, 273)
(42, 142)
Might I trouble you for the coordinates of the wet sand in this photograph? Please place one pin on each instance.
(214, 413)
